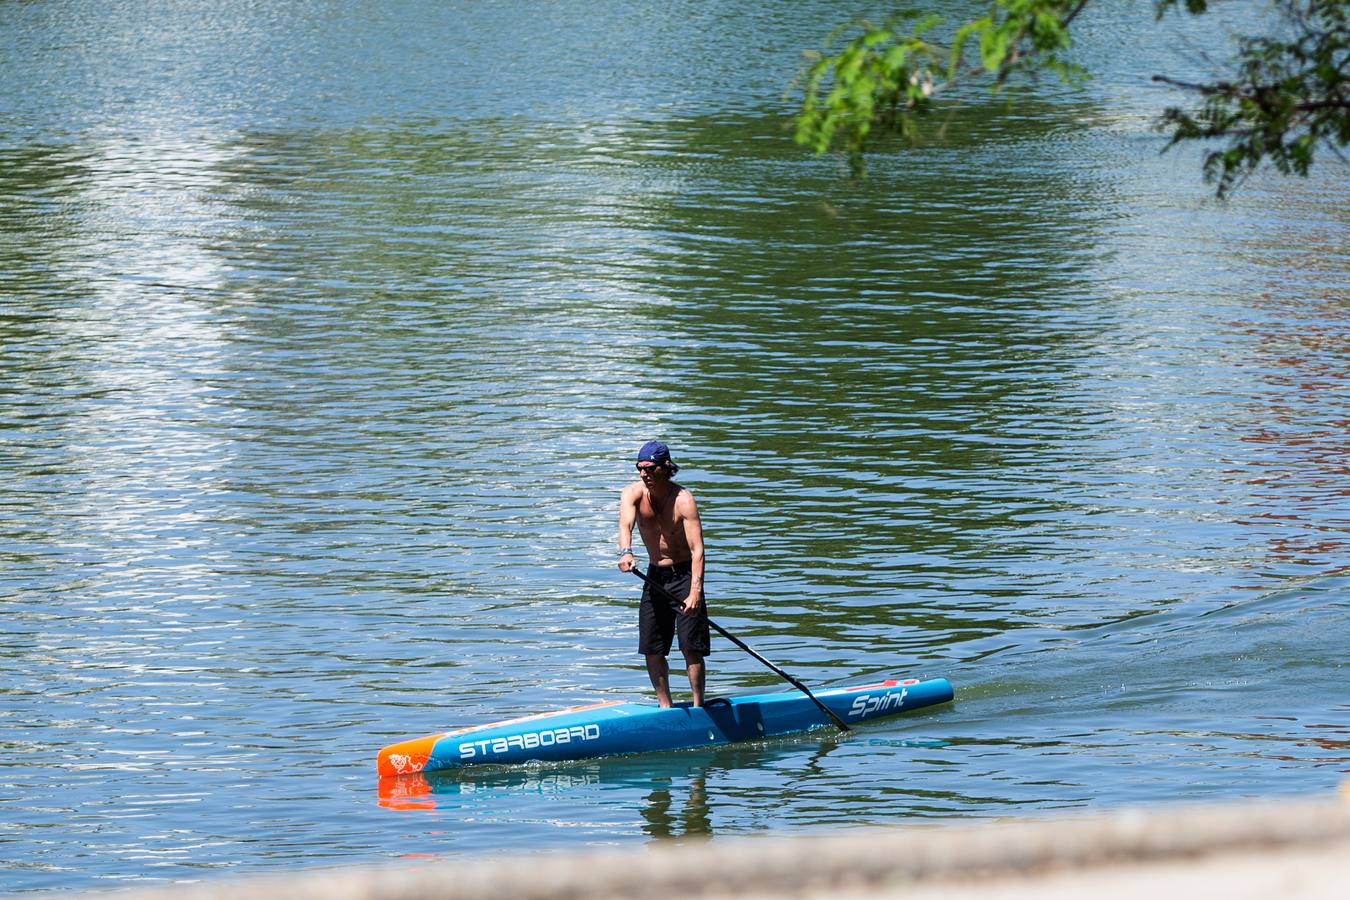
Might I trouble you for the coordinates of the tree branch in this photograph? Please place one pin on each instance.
(1255, 92)
(1208, 90)
(1068, 20)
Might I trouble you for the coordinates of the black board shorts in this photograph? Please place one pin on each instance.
(658, 621)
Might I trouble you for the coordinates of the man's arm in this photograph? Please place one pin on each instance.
(627, 518)
(693, 536)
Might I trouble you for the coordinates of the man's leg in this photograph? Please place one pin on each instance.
(693, 664)
(659, 672)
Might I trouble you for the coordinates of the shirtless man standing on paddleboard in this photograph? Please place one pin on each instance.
(667, 518)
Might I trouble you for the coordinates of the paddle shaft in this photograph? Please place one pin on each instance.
(679, 605)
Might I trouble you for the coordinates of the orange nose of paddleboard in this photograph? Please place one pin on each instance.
(405, 757)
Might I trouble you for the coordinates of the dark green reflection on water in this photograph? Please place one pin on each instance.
(861, 368)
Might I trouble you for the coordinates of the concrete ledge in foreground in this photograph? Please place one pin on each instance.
(1279, 849)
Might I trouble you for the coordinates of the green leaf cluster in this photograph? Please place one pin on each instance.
(887, 75)
(1017, 34)
(880, 79)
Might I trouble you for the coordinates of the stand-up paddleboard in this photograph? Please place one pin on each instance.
(605, 729)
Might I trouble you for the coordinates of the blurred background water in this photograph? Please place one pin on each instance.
(328, 333)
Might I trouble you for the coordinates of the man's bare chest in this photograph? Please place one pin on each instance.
(658, 513)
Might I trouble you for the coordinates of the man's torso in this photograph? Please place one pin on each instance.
(662, 525)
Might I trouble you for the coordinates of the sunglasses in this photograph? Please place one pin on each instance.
(647, 470)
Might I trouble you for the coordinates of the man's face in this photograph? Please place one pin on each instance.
(650, 472)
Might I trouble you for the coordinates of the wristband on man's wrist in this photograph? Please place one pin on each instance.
(625, 551)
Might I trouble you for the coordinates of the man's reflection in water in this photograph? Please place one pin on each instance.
(692, 821)
(679, 810)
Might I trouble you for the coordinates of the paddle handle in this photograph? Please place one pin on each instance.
(656, 588)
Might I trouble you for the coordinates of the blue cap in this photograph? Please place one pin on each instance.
(654, 451)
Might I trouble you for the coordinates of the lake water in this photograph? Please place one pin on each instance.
(328, 335)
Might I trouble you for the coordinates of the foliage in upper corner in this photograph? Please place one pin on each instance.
(889, 74)
(1284, 97)
(1287, 94)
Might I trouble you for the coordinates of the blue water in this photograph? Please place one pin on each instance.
(327, 339)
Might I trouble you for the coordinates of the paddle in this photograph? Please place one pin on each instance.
(746, 647)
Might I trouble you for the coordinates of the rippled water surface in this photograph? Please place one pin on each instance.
(327, 337)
